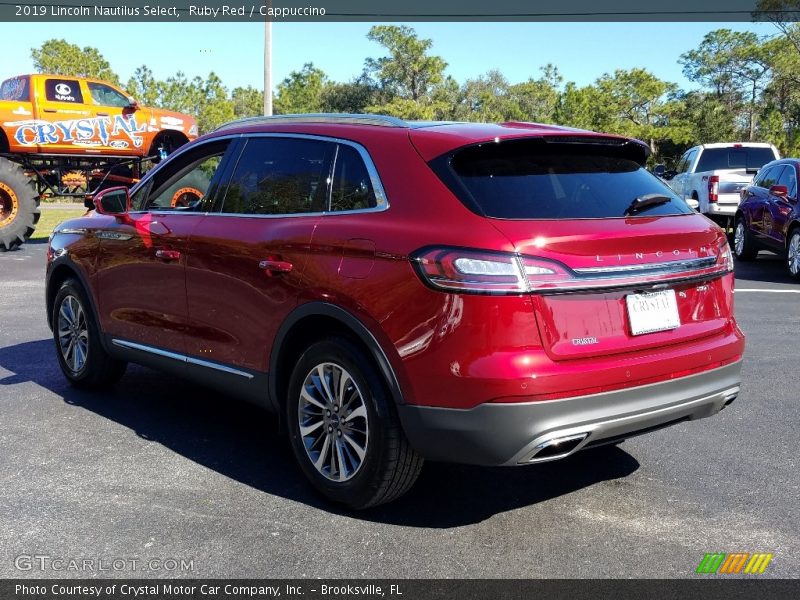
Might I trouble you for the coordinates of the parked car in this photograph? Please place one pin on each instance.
(398, 291)
(768, 217)
(713, 175)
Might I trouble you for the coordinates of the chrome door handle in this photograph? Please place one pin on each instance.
(275, 266)
(168, 254)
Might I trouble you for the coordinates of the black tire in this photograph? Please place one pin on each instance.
(98, 370)
(389, 466)
(188, 191)
(793, 254)
(744, 247)
(19, 206)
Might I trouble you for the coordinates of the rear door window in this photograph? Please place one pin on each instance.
(769, 177)
(715, 159)
(528, 179)
(280, 176)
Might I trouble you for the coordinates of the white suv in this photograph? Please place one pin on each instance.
(714, 174)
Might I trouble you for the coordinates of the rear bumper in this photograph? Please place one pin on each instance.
(514, 433)
(724, 206)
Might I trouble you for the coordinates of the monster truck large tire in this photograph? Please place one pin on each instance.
(19, 206)
(188, 190)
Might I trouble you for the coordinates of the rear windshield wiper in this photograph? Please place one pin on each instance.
(646, 201)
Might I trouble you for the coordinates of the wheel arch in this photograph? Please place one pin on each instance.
(313, 321)
(790, 229)
(5, 146)
(167, 133)
(61, 270)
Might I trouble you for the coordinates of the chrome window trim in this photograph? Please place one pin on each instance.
(180, 357)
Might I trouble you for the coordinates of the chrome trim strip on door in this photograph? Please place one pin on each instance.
(180, 357)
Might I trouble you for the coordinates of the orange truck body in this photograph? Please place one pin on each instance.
(63, 115)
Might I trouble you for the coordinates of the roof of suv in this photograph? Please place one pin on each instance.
(431, 138)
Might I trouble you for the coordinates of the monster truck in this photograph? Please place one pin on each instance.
(72, 136)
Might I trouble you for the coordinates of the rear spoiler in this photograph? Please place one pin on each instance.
(631, 148)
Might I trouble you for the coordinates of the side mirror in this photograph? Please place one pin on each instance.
(132, 103)
(115, 202)
(694, 204)
(779, 190)
(659, 170)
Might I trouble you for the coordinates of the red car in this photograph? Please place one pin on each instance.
(487, 294)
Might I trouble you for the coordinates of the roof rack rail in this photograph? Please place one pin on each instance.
(340, 118)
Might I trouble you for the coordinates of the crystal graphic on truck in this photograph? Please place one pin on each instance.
(92, 131)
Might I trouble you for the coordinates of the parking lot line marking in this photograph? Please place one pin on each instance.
(768, 291)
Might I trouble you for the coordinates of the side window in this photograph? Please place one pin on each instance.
(789, 179)
(186, 183)
(17, 89)
(682, 163)
(690, 156)
(105, 95)
(280, 176)
(63, 90)
(352, 187)
(768, 177)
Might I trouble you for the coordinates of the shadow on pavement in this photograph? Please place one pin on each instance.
(767, 268)
(243, 442)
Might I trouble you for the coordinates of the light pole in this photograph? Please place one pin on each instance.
(268, 66)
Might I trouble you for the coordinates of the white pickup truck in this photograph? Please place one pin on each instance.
(713, 175)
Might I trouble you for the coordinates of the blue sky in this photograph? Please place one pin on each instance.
(582, 51)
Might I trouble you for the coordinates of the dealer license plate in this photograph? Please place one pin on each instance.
(656, 311)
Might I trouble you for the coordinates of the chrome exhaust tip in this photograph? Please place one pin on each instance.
(554, 448)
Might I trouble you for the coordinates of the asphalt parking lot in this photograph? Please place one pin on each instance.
(163, 470)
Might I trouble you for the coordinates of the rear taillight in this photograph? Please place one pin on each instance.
(473, 271)
(725, 257)
(713, 188)
(478, 271)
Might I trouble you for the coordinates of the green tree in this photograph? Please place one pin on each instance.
(638, 105)
(538, 99)
(350, 97)
(144, 87)
(408, 77)
(247, 102)
(581, 107)
(213, 107)
(488, 98)
(736, 66)
(301, 91)
(62, 58)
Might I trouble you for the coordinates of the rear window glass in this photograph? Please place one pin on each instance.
(530, 180)
(16, 89)
(713, 159)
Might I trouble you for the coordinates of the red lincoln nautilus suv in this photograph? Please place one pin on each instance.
(488, 294)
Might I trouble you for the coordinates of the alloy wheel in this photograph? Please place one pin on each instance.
(738, 238)
(793, 254)
(73, 334)
(334, 426)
